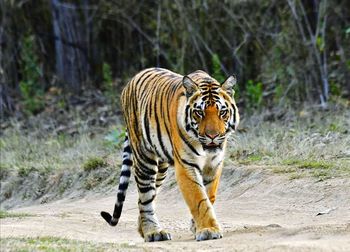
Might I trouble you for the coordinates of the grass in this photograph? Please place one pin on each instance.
(58, 244)
(309, 164)
(23, 152)
(319, 169)
(299, 146)
(45, 151)
(37, 161)
(94, 163)
(5, 214)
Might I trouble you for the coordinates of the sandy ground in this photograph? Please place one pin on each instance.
(258, 210)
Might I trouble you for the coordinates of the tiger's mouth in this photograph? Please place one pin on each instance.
(211, 146)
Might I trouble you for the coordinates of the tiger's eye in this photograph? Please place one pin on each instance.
(199, 113)
(223, 112)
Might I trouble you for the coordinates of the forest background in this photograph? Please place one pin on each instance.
(284, 53)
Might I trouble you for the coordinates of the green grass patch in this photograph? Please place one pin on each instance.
(309, 164)
(255, 158)
(283, 169)
(320, 169)
(5, 214)
(322, 174)
(94, 163)
(49, 243)
(246, 159)
(295, 175)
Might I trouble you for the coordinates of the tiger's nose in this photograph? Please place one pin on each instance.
(212, 135)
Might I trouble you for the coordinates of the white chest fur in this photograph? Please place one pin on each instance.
(210, 162)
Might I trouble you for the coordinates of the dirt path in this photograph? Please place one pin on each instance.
(257, 210)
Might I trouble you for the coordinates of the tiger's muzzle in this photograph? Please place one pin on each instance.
(211, 141)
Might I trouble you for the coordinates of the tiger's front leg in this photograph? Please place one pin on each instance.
(211, 181)
(194, 193)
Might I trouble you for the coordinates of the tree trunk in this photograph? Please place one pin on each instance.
(71, 44)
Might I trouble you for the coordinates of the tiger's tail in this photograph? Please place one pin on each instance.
(123, 185)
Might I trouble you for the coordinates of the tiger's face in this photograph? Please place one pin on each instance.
(211, 112)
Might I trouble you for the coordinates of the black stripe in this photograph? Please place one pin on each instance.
(216, 97)
(144, 73)
(163, 170)
(117, 211)
(127, 162)
(144, 170)
(207, 182)
(146, 91)
(147, 159)
(191, 164)
(121, 197)
(123, 186)
(142, 175)
(125, 173)
(159, 134)
(127, 149)
(187, 142)
(200, 202)
(146, 189)
(135, 101)
(195, 182)
(166, 118)
(234, 114)
(149, 212)
(147, 201)
(140, 81)
(160, 179)
(194, 132)
(139, 182)
(134, 109)
(146, 124)
(152, 221)
(206, 211)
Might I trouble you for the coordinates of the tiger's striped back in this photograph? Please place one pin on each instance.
(146, 102)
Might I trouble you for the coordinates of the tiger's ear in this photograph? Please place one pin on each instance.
(228, 84)
(190, 86)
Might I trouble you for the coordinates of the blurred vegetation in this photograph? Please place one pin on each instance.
(283, 52)
(94, 163)
(5, 214)
(32, 92)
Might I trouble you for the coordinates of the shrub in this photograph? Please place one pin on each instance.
(93, 163)
(32, 92)
(254, 93)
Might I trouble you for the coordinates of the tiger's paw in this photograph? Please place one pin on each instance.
(208, 234)
(157, 236)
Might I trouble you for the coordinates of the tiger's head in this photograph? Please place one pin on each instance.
(211, 112)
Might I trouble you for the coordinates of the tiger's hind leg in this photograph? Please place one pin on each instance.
(146, 180)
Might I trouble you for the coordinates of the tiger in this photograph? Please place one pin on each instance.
(181, 122)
